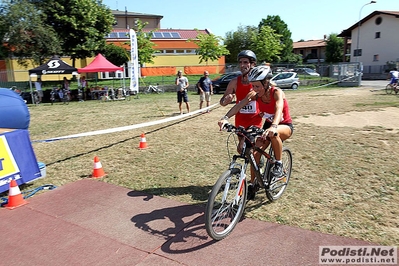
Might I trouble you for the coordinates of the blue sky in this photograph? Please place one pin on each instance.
(306, 19)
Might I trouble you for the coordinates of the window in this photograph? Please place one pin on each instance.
(376, 57)
(378, 20)
(378, 35)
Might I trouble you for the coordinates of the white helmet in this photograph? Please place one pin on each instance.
(259, 73)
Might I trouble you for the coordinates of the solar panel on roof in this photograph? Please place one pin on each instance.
(165, 35)
(175, 35)
(123, 35)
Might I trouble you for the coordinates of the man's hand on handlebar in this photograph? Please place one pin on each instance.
(222, 122)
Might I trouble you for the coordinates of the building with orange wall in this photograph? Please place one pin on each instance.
(174, 50)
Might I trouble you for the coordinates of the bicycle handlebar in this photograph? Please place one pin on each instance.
(252, 131)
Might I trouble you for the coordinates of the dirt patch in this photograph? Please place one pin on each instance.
(387, 118)
(337, 114)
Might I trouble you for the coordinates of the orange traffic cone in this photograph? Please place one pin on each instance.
(98, 170)
(15, 198)
(143, 142)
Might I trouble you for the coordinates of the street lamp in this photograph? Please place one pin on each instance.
(358, 29)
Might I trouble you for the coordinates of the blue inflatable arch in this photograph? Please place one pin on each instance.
(13, 111)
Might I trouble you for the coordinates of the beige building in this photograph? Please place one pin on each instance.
(377, 41)
(312, 51)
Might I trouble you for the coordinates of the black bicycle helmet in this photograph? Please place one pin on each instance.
(247, 54)
(259, 73)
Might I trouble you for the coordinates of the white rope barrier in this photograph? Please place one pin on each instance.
(119, 129)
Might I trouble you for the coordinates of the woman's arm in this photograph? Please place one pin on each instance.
(252, 95)
(278, 111)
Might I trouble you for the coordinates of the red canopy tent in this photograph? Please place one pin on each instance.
(100, 64)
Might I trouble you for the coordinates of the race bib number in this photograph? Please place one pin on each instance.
(250, 108)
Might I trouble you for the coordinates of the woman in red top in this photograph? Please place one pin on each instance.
(274, 108)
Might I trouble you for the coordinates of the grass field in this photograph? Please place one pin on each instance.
(345, 180)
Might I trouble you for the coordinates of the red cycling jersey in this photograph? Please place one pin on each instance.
(270, 108)
(249, 114)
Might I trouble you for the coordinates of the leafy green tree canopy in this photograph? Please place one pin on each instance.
(25, 34)
(280, 28)
(236, 41)
(209, 47)
(115, 54)
(145, 46)
(266, 45)
(81, 24)
(334, 49)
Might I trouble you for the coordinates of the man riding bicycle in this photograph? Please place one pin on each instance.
(394, 75)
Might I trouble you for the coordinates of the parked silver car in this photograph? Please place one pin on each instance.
(286, 80)
(307, 71)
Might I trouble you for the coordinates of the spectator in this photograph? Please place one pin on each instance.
(84, 86)
(38, 87)
(205, 90)
(182, 85)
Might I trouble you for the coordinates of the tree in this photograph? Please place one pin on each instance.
(239, 40)
(81, 24)
(145, 46)
(334, 49)
(266, 45)
(281, 28)
(209, 47)
(115, 54)
(25, 35)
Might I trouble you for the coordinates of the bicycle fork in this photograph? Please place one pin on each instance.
(234, 168)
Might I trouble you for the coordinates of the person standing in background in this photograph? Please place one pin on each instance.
(65, 86)
(38, 87)
(85, 89)
(205, 89)
(182, 85)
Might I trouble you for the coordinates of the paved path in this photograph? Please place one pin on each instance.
(90, 222)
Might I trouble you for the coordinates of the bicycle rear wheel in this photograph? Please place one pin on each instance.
(276, 188)
(389, 89)
(224, 209)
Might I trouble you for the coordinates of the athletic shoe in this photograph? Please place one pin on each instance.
(277, 170)
(252, 189)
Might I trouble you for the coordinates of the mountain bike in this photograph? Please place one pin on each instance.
(154, 89)
(227, 200)
(390, 88)
(35, 97)
(53, 93)
(64, 95)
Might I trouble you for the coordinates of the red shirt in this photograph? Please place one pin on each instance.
(249, 114)
(270, 108)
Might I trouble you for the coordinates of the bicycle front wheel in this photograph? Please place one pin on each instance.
(389, 89)
(225, 204)
(277, 187)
